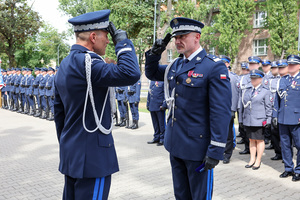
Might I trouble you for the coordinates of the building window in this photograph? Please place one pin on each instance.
(212, 50)
(170, 55)
(259, 19)
(260, 47)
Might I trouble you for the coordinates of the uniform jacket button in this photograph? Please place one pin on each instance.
(174, 119)
(176, 95)
(177, 83)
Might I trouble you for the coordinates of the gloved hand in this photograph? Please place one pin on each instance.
(274, 122)
(136, 103)
(125, 101)
(232, 114)
(162, 108)
(147, 107)
(52, 97)
(160, 44)
(210, 163)
(241, 125)
(117, 35)
(267, 126)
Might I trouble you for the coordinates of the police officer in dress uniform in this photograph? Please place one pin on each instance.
(245, 82)
(29, 92)
(49, 94)
(122, 103)
(11, 88)
(266, 68)
(199, 115)
(275, 138)
(35, 85)
(87, 152)
(4, 90)
(256, 113)
(42, 90)
(157, 106)
(234, 80)
(16, 90)
(287, 113)
(133, 95)
(22, 90)
(8, 88)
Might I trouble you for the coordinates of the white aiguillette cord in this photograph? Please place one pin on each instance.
(89, 92)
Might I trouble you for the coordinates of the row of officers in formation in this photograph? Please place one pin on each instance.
(28, 94)
(34, 95)
(266, 99)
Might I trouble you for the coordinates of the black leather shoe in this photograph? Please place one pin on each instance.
(153, 141)
(286, 174)
(226, 161)
(277, 157)
(244, 152)
(267, 141)
(270, 147)
(256, 168)
(296, 177)
(241, 142)
(160, 143)
(249, 166)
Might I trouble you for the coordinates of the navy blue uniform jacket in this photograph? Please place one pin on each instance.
(84, 154)
(202, 106)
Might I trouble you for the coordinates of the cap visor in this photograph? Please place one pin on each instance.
(180, 33)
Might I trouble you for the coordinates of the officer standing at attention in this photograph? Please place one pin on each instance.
(122, 102)
(245, 82)
(4, 90)
(234, 80)
(17, 82)
(35, 86)
(133, 95)
(29, 92)
(287, 114)
(22, 90)
(49, 94)
(157, 106)
(82, 105)
(42, 89)
(197, 90)
(256, 115)
(275, 138)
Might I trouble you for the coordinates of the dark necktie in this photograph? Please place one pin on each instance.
(183, 63)
(253, 91)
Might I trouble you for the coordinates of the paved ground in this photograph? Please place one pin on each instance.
(29, 160)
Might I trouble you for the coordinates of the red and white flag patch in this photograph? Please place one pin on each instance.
(222, 76)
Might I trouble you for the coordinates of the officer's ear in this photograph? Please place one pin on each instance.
(93, 37)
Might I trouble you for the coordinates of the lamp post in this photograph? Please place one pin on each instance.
(58, 55)
(155, 4)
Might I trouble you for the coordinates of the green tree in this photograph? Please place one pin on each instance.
(43, 46)
(231, 24)
(282, 24)
(17, 22)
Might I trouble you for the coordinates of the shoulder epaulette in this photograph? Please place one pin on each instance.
(213, 57)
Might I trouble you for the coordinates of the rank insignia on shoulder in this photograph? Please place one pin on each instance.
(223, 76)
(198, 58)
(217, 59)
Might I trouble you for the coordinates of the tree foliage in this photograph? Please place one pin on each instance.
(17, 22)
(232, 22)
(282, 24)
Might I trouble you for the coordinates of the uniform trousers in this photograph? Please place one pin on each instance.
(121, 108)
(51, 104)
(244, 137)
(229, 144)
(159, 124)
(189, 184)
(38, 100)
(23, 99)
(86, 188)
(275, 138)
(43, 102)
(134, 111)
(288, 133)
(31, 101)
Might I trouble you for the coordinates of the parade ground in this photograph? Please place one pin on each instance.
(29, 166)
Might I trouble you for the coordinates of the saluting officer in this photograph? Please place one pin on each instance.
(245, 82)
(234, 80)
(133, 95)
(49, 93)
(122, 103)
(82, 105)
(275, 138)
(287, 113)
(198, 121)
(35, 85)
(256, 113)
(157, 106)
